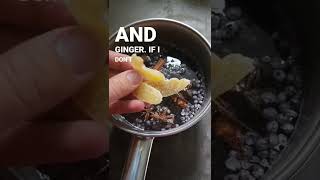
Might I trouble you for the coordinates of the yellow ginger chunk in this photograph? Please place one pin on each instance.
(148, 94)
(171, 86)
(155, 86)
(150, 75)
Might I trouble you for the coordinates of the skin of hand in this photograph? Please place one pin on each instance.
(122, 82)
(45, 58)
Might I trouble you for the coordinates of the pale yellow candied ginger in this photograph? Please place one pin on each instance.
(148, 94)
(155, 85)
(148, 74)
(171, 86)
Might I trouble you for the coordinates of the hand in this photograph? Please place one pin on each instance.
(44, 60)
(122, 82)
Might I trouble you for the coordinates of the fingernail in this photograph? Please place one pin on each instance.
(79, 50)
(134, 77)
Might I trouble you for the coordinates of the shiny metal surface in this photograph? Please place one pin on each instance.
(138, 158)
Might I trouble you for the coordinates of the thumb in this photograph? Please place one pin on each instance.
(40, 73)
(123, 84)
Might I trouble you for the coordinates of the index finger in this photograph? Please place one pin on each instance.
(121, 66)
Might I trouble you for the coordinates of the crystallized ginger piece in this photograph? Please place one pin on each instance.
(171, 86)
(148, 94)
(150, 75)
(155, 85)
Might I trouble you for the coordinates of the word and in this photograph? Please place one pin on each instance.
(144, 34)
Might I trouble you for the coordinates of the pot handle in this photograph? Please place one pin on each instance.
(138, 159)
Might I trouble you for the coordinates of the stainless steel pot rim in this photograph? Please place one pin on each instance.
(120, 121)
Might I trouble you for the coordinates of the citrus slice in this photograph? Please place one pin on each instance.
(150, 75)
(171, 86)
(148, 94)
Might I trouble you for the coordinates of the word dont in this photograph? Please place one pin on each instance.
(123, 59)
(144, 34)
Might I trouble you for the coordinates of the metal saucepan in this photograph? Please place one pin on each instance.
(194, 45)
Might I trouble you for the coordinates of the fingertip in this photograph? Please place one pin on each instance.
(118, 65)
(147, 105)
(136, 105)
(134, 77)
(123, 84)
